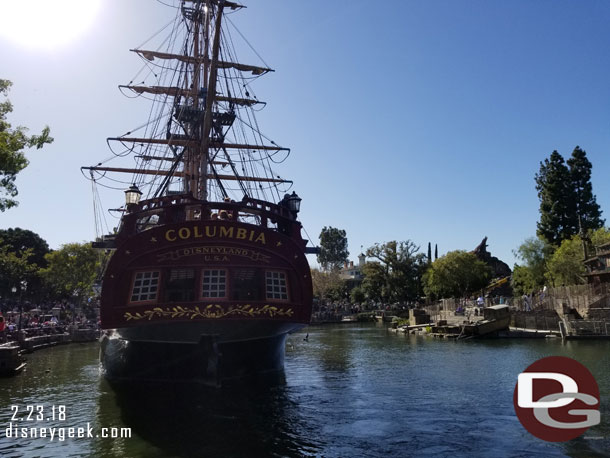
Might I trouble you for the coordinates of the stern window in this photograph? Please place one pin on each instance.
(214, 283)
(276, 285)
(246, 285)
(180, 286)
(145, 286)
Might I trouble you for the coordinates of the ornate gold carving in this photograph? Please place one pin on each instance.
(210, 311)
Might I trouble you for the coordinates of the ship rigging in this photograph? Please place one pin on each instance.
(208, 272)
(202, 137)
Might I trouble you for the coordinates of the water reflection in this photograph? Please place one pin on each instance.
(184, 420)
(349, 390)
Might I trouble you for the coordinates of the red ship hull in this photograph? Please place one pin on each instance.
(216, 297)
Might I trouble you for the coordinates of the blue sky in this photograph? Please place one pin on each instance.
(421, 120)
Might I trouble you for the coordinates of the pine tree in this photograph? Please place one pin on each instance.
(435, 251)
(333, 248)
(558, 218)
(586, 202)
(429, 253)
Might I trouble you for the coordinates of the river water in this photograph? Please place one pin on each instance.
(349, 390)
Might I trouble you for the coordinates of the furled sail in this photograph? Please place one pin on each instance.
(201, 134)
(151, 55)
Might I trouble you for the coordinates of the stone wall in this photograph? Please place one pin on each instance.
(602, 314)
(579, 298)
(418, 316)
(541, 319)
(588, 328)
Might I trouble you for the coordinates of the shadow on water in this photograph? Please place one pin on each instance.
(185, 419)
(349, 390)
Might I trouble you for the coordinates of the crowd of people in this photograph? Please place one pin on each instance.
(335, 311)
(33, 320)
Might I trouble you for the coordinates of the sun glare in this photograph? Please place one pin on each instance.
(46, 23)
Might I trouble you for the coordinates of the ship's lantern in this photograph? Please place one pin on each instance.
(294, 202)
(132, 195)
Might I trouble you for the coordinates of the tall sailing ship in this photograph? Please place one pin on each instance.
(208, 272)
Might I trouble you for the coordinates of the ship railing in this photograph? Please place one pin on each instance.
(160, 211)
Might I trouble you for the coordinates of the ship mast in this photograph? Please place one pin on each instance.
(211, 95)
(200, 93)
(191, 127)
(204, 76)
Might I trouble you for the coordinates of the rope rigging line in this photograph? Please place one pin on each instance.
(247, 42)
(252, 123)
(166, 120)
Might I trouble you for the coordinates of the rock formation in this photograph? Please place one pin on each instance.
(499, 268)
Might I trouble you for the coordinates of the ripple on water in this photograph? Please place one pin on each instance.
(348, 391)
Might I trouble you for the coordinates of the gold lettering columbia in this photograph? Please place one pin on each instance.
(210, 232)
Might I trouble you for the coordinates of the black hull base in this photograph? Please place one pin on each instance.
(208, 362)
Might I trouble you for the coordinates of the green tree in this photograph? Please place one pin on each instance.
(22, 253)
(523, 281)
(16, 268)
(19, 240)
(566, 195)
(566, 264)
(357, 295)
(429, 253)
(374, 284)
(600, 236)
(457, 274)
(558, 221)
(328, 285)
(333, 248)
(397, 271)
(71, 270)
(586, 203)
(12, 143)
(533, 272)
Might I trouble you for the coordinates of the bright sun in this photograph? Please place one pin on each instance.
(46, 23)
